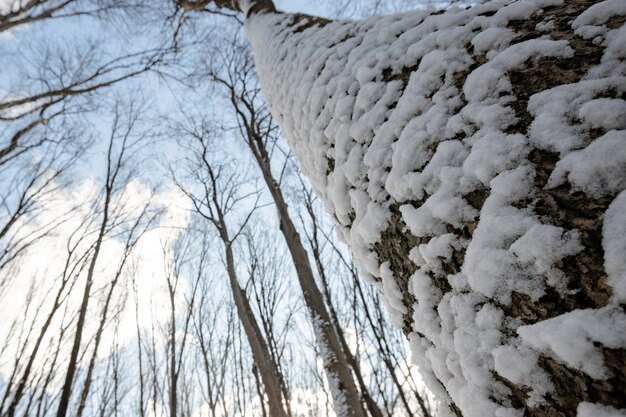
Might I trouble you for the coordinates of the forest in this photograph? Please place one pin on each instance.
(341, 208)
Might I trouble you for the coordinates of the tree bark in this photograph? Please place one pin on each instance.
(372, 113)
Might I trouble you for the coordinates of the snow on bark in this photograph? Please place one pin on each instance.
(448, 146)
(595, 410)
(614, 244)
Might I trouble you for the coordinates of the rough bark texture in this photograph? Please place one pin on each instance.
(559, 206)
(312, 76)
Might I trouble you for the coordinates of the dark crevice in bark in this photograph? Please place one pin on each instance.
(572, 386)
(549, 72)
(390, 248)
(331, 165)
(403, 75)
(615, 22)
(575, 210)
(303, 22)
(477, 198)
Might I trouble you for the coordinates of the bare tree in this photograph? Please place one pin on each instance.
(371, 322)
(215, 345)
(313, 240)
(122, 144)
(15, 13)
(364, 310)
(28, 188)
(220, 194)
(60, 84)
(179, 321)
(108, 216)
(266, 262)
(74, 264)
(68, 79)
(138, 227)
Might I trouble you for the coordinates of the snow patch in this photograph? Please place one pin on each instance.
(392, 296)
(599, 169)
(614, 246)
(570, 337)
(518, 364)
(598, 410)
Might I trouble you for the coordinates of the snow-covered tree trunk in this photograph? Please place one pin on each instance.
(475, 160)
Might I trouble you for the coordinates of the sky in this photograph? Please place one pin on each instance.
(312, 7)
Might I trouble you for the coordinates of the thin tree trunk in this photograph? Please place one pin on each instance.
(72, 364)
(114, 166)
(343, 388)
(268, 369)
(130, 242)
(68, 271)
(372, 407)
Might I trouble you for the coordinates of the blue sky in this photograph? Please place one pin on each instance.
(302, 6)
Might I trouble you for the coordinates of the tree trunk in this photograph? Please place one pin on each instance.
(214, 204)
(372, 407)
(346, 399)
(474, 161)
(72, 366)
(266, 367)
